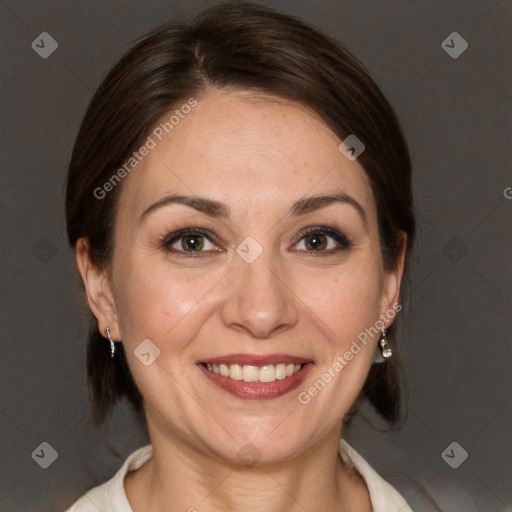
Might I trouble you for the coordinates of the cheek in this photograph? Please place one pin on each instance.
(347, 300)
(154, 301)
(344, 308)
(141, 296)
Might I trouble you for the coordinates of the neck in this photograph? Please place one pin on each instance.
(179, 477)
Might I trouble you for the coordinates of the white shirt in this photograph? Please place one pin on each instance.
(111, 496)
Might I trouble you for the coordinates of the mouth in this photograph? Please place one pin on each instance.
(256, 377)
(250, 373)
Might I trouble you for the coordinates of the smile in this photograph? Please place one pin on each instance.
(249, 373)
(256, 377)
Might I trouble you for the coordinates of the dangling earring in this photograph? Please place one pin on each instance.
(383, 344)
(112, 346)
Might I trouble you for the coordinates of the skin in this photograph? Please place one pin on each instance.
(257, 156)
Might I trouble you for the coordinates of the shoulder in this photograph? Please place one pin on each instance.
(384, 497)
(111, 495)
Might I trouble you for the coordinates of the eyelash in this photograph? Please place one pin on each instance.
(169, 240)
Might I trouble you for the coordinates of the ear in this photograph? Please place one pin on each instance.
(98, 291)
(392, 281)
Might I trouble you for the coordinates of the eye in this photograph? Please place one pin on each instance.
(193, 241)
(323, 239)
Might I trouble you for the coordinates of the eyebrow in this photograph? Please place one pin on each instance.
(314, 203)
(217, 209)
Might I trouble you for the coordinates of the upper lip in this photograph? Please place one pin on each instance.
(256, 360)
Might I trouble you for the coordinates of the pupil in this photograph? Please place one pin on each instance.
(317, 241)
(192, 242)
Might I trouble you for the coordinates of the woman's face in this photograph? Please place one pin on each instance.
(253, 282)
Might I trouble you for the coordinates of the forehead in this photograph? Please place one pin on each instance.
(242, 149)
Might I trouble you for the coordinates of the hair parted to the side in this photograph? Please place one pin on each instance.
(235, 47)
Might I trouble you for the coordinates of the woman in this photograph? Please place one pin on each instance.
(239, 201)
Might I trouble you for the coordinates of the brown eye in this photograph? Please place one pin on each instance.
(316, 241)
(192, 243)
(188, 241)
(323, 240)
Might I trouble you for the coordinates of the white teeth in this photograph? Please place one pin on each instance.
(280, 371)
(267, 373)
(250, 373)
(224, 370)
(235, 371)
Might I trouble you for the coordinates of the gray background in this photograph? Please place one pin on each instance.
(456, 340)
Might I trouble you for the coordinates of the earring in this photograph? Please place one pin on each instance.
(112, 346)
(383, 344)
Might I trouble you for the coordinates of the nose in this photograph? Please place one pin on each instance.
(259, 302)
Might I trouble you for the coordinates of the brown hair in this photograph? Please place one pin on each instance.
(235, 47)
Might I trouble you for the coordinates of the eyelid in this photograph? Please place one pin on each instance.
(342, 239)
(171, 238)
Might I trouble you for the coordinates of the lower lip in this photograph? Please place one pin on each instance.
(258, 390)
